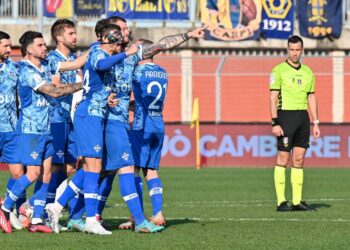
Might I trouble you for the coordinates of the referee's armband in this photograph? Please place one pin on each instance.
(275, 122)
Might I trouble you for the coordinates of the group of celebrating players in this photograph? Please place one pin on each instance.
(58, 120)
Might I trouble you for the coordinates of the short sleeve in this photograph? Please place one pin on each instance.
(275, 80)
(35, 81)
(96, 56)
(312, 84)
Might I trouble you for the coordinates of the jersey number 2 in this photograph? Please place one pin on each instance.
(159, 95)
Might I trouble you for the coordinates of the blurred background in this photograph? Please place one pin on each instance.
(228, 71)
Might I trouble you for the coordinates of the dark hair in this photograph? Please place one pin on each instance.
(98, 27)
(295, 39)
(58, 27)
(116, 19)
(115, 37)
(4, 35)
(28, 38)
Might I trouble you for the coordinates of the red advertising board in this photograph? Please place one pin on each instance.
(249, 145)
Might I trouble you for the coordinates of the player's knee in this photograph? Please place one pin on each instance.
(298, 161)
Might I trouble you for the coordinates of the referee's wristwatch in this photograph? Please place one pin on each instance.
(316, 122)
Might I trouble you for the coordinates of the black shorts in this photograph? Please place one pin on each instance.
(296, 128)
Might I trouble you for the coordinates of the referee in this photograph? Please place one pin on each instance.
(291, 95)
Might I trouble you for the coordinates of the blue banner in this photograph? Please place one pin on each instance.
(89, 7)
(320, 18)
(231, 20)
(149, 9)
(277, 19)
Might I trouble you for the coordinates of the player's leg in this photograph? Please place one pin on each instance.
(16, 171)
(300, 143)
(40, 197)
(104, 190)
(154, 182)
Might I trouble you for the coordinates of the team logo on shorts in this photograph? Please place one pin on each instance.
(60, 154)
(97, 148)
(125, 156)
(34, 155)
(285, 141)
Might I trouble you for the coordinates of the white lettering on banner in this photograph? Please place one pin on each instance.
(324, 147)
(267, 146)
(179, 145)
(204, 149)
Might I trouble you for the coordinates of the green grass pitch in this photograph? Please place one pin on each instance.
(220, 208)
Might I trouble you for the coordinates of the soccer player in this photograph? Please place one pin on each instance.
(34, 140)
(63, 32)
(8, 119)
(118, 152)
(89, 126)
(150, 84)
(292, 92)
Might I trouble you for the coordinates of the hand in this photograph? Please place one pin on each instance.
(55, 81)
(131, 50)
(112, 101)
(197, 33)
(277, 131)
(316, 131)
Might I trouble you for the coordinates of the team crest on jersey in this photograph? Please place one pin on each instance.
(60, 154)
(34, 155)
(97, 148)
(125, 156)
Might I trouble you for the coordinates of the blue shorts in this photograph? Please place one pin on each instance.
(34, 149)
(63, 143)
(118, 151)
(8, 148)
(88, 132)
(146, 148)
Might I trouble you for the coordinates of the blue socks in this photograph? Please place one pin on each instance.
(74, 187)
(156, 192)
(40, 200)
(139, 189)
(90, 193)
(51, 192)
(77, 207)
(130, 196)
(17, 189)
(104, 190)
(36, 188)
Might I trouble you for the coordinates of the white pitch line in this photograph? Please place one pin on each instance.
(232, 203)
(246, 219)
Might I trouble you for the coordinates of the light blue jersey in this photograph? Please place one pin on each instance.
(60, 107)
(121, 85)
(34, 112)
(8, 86)
(95, 85)
(150, 83)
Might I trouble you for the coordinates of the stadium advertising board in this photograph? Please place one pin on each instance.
(249, 146)
(58, 8)
(277, 19)
(89, 7)
(157, 9)
(231, 20)
(320, 18)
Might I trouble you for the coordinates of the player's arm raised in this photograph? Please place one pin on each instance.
(76, 64)
(64, 89)
(170, 42)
